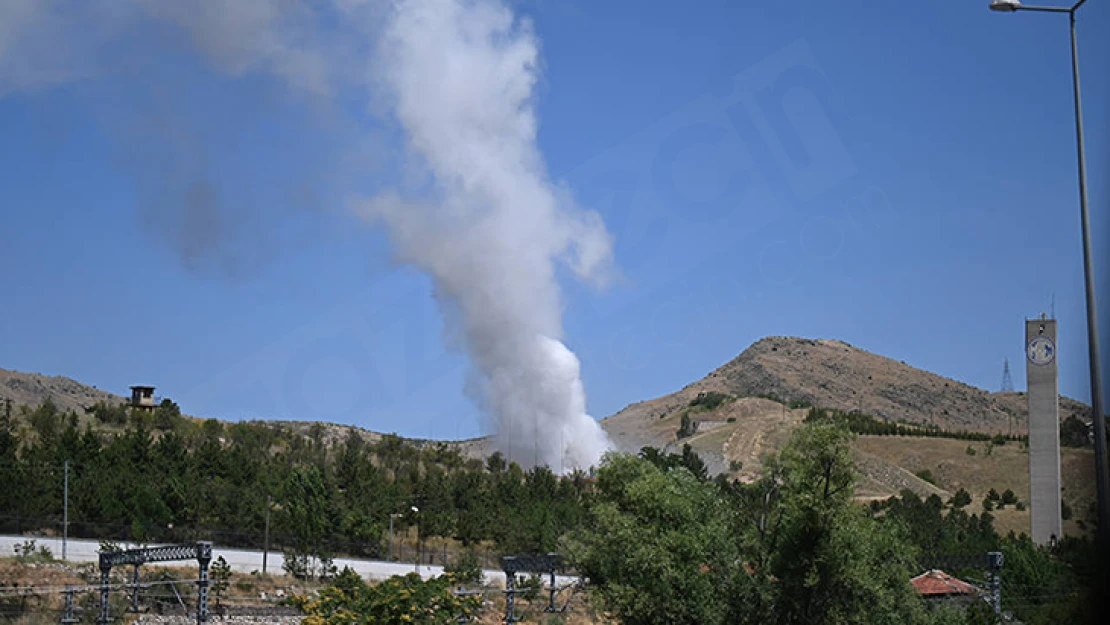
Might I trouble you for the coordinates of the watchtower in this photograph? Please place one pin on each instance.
(142, 397)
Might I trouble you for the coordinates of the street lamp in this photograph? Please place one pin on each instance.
(416, 560)
(1102, 472)
(391, 517)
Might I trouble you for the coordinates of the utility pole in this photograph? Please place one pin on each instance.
(266, 536)
(391, 517)
(1098, 417)
(65, 510)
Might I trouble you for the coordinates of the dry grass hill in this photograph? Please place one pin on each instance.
(771, 384)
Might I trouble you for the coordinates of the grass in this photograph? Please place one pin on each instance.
(1005, 467)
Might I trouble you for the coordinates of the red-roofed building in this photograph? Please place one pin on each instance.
(937, 584)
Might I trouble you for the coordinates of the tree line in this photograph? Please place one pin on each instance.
(866, 424)
(157, 476)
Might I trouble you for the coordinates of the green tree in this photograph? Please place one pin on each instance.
(657, 545)
(305, 514)
(686, 427)
(167, 416)
(221, 576)
(961, 498)
(835, 565)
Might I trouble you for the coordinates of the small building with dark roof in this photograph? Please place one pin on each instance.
(142, 397)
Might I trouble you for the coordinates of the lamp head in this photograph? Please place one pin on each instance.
(1007, 6)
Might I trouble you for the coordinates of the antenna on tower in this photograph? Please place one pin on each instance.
(1007, 379)
(1052, 309)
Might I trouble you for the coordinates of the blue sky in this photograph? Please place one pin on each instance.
(900, 176)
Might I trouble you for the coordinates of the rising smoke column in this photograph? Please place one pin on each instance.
(459, 78)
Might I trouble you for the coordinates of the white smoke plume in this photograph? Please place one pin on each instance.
(478, 213)
(461, 77)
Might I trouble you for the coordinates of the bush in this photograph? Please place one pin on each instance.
(998, 439)
(28, 551)
(395, 600)
(961, 498)
(710, 400)
(731, 420)
(1008, 497)
(466, 568)
(926, 475)
(993, 495)
(686, 427)
(988, 505)
(970, 450)
(1065, 510)
(1020, 506)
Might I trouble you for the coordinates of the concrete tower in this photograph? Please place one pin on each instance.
(1044, 430)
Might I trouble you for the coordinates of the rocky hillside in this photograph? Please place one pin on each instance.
(32, 389)
(750, 406)
(834, 374)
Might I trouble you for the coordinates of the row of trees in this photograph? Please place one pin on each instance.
(145, 482)
(866, 424)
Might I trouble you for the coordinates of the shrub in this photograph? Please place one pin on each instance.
(970, 450)
(993, 495)
(1020, 506)
(395, 600)
(1008, 497)
(29, 551)
(466, 568)
(1065, 510)
(710, 400)
(926, 475)
(731, 420)
(961, 498)
(988, 505)
(686, 427)
(998, 439)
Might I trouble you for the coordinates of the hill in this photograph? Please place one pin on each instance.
(750, 406)
(32, 389)
(802, 372)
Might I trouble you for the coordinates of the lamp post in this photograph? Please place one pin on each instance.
(1102, 472)
(391, 517)
(416, 560)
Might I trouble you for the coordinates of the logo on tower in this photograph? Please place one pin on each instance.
(1041, 350)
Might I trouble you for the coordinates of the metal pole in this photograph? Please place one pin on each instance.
(204, 556)
(135, 591)
(105, 589)
(68, 615)
(994, 566)
(65, 511)
(1102, 473)
(266, 538)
